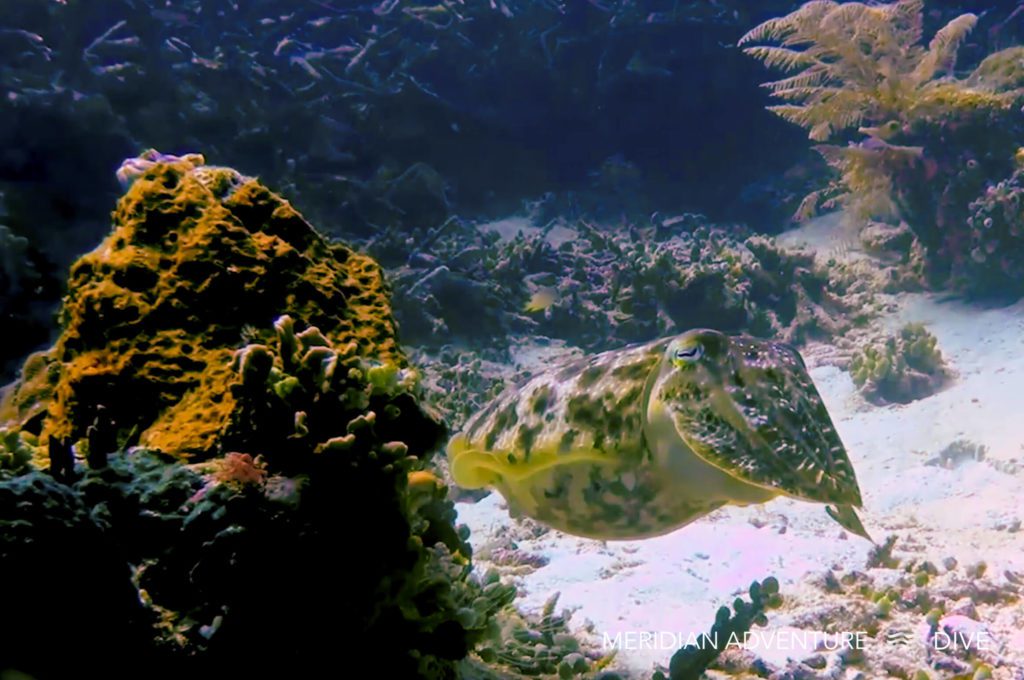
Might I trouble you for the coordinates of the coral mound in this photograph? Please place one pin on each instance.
(197, 257)
(905, 367)
(279, 503)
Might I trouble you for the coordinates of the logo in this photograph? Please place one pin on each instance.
(898, 637)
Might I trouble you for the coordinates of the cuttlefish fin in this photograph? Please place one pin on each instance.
(847, 518)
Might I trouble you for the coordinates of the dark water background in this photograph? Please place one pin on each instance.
(607, 109)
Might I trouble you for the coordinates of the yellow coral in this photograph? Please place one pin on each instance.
(198, 256)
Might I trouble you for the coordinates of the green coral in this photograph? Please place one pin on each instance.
(16, 450)
(536, 646)
(690, 662)
(901, 369)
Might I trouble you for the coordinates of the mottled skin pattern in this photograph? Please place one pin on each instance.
(638, 442)
(770, 426)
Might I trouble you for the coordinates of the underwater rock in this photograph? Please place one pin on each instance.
(197, 255)
(879, 238)
(903, 368)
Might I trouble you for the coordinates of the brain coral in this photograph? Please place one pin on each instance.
(197, 258)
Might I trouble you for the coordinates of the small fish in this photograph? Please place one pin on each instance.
(542, 300)
(884, 132)
(642, 66)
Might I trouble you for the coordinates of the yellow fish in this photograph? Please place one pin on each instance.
(542, 300)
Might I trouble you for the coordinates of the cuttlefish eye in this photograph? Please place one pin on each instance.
(686, 355)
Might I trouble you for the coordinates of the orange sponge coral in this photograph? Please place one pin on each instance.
(198, 257)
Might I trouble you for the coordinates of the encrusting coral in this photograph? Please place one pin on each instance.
(909, 138)
(905, 367)
(152, 316)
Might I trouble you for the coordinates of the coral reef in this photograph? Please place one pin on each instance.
(369, 118)
(459, 382)
(74, 595)
(909, 598)
(908, 138)
(599, 289)
(901, 369)
(197, 255)
(537, 646)
(305, 515)
(341, 110)
(994, 265)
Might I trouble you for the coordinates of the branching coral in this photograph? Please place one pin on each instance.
(605, 288)
(906, 367)
(921, 141)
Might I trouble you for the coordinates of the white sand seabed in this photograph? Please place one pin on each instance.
(675, 583)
